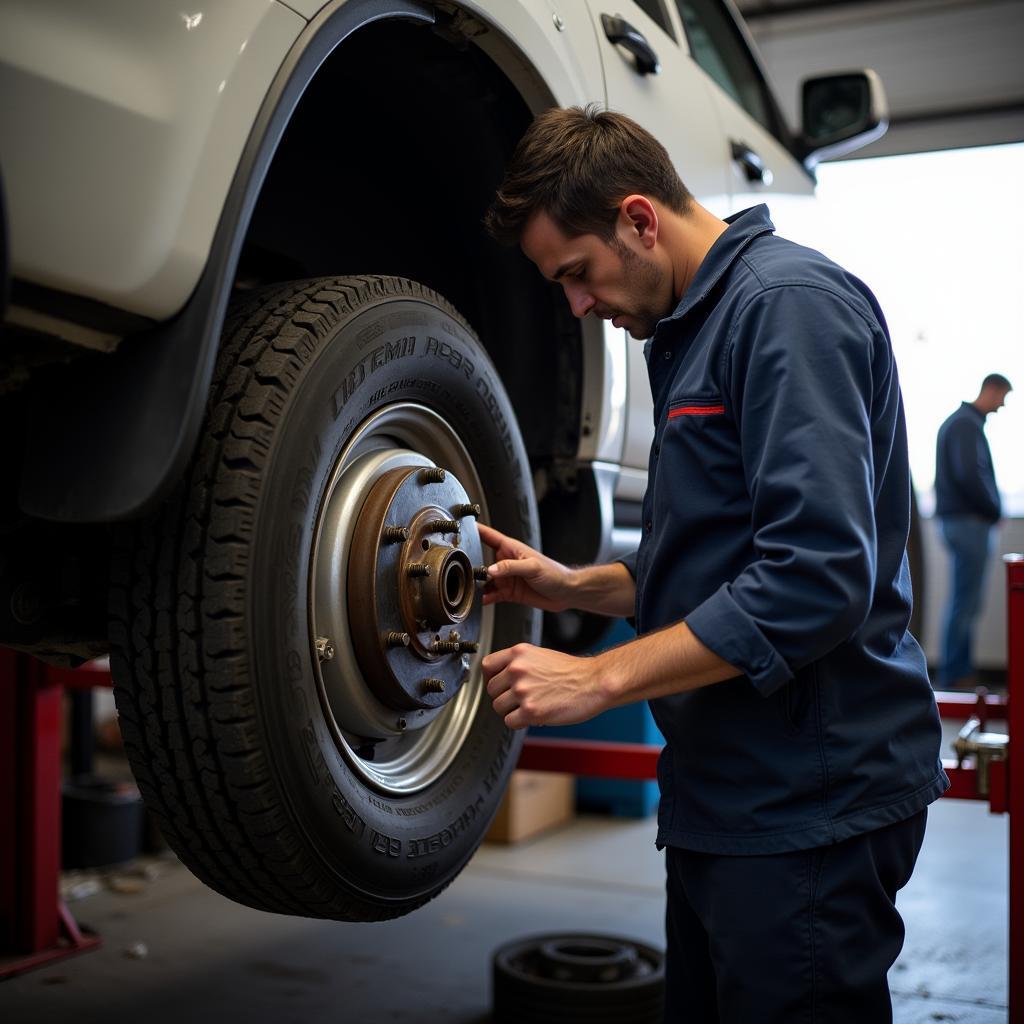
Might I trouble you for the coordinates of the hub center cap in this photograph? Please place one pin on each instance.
(416, 557)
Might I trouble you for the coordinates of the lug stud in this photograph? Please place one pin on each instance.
(445, 647)
(472, 509)
(443, 526)
(433, 686)
(324, 648)
(432, 475)
(480, 573)
(468, 647)
(418, 569)
(396, 639)
(395, 534)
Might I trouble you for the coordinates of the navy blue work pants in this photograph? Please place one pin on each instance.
(792, 938)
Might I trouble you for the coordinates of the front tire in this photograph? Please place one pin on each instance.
(299, 755)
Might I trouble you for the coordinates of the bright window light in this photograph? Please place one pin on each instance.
(939, 239)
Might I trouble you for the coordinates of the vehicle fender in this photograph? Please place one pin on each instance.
(111, 438)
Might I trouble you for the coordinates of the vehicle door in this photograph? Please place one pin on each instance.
(675, 103)
(761, 166)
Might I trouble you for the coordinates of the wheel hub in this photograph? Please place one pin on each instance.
(416, 557)
(392, 720)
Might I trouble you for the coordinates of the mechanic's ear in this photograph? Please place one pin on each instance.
(642, 218)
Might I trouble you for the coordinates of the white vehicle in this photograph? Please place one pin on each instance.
(261, 370)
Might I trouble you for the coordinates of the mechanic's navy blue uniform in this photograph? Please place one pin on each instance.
(775, 524)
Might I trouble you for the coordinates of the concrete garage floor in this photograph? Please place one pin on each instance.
(211, 960)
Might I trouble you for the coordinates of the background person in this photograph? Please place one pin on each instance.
(967, 505)
(771, 587)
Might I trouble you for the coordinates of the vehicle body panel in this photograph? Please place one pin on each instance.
(148, 109)
(128, 125)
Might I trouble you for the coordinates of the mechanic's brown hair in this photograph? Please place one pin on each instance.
(578, 164)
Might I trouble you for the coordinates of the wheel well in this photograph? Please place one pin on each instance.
(387, 166)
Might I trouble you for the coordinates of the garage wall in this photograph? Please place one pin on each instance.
(952, 68)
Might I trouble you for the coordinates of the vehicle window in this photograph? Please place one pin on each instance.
(655, 10)
(719, 48)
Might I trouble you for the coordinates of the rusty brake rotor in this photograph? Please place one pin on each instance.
(415, 563)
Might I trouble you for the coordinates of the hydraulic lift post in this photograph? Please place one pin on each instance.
(35, 925)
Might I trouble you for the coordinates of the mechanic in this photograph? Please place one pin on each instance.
(771, 588)
(967, 505)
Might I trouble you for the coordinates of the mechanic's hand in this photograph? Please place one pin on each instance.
(523, 575)
(534, 686)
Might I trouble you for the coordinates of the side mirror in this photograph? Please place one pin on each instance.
(841, 113)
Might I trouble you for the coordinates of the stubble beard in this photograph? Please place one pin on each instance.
(644, 283)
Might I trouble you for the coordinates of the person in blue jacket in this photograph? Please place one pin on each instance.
(771, 588)
(967, 505)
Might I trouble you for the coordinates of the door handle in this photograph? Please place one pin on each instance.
(621, 33)
(753, 166)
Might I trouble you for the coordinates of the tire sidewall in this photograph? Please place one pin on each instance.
(388, 849)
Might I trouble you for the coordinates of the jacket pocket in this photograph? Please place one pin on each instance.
(799, 699)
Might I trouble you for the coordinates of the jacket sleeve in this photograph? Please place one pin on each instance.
(799, 384)
(971, 466)
(629, 561)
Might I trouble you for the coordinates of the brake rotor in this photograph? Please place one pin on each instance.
(415, 562)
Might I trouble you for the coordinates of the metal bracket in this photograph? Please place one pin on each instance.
(985, 747)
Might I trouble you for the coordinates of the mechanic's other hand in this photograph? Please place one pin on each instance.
(523, 575)
(535, 686)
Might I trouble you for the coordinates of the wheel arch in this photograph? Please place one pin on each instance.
(112, 438)
(426, 136)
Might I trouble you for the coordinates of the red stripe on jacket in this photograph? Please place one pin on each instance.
(696, 410)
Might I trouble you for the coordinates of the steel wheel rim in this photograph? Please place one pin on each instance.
(405, 760)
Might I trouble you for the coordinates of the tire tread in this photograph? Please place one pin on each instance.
(177, 610)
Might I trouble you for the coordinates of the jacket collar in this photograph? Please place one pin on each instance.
(743, 228)
(972, 408)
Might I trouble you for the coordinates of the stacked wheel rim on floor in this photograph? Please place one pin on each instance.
(569, 978)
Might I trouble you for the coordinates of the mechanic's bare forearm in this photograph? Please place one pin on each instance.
(603, 590)
(673, 660)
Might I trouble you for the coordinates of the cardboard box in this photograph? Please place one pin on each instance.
(533, 803)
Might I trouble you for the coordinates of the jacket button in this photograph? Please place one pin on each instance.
(666, 354)
(657, 450)
(648, 526)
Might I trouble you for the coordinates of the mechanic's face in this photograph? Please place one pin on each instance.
(617, 281)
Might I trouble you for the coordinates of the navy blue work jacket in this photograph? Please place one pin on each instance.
(965, 479)
(775, 524)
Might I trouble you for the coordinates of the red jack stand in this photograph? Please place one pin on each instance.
(36, 927)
